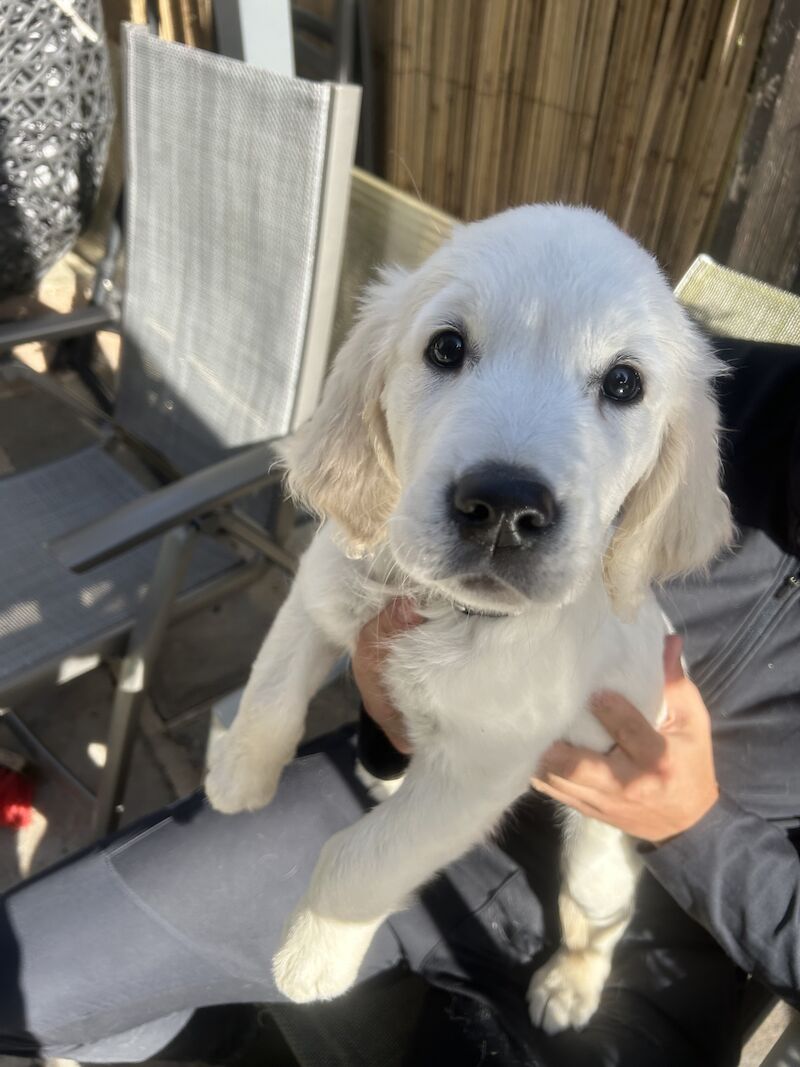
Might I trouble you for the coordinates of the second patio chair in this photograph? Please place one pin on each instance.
(237, 189)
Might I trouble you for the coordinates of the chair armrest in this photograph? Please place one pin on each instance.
(171, 505)
(85, 409)
(56, 327)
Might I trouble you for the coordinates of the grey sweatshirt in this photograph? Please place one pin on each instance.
(737, 871)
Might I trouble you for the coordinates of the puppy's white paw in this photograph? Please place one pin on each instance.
(239, 777)
(566, 991)
(320, 957)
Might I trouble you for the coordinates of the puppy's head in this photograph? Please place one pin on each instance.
(529, 404)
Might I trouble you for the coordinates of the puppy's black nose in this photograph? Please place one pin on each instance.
(500, 506)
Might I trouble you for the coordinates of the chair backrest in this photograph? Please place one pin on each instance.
(385, 227)
(237, 190)
(735, 305)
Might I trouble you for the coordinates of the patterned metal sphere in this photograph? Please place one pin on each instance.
(56, 113)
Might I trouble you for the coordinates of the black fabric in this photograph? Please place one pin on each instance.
(376, 752)
(751, 900)
(760, 402)
(650, 1013)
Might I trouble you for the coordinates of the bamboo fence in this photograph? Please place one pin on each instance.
(635, 107)
(631, 106)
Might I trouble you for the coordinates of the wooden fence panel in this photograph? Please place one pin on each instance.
(632, 106)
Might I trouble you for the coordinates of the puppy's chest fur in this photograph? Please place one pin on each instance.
(513, 685)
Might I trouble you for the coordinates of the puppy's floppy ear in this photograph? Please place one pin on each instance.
(676, 518)
(340, 462)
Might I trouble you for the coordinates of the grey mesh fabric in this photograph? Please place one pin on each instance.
(46, 611)
(226, 174)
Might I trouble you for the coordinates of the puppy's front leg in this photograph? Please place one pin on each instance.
(245, 764)
(368, 871)
(600, 870)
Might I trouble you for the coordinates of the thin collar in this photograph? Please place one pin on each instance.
(480, 614)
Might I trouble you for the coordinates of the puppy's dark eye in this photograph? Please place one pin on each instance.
(622, 383)
(446, 350)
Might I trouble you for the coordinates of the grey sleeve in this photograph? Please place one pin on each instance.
(739, 877)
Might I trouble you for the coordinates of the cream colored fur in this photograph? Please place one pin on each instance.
(549, 297)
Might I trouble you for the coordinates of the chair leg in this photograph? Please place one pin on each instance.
(242, 528)
(135, 671)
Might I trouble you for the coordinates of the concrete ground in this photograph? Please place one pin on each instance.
(203, 658)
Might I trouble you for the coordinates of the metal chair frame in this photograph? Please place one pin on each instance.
(178, 512)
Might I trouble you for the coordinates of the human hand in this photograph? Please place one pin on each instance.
(653, 783)
(372, 648)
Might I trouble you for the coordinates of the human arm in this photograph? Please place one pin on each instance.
(739, 877)
(732, 871)
(383, 746)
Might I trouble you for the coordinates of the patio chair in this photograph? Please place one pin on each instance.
(237, 190)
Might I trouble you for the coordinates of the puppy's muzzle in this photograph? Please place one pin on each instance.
(502, 506)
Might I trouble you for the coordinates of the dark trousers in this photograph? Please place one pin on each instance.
(105, 957)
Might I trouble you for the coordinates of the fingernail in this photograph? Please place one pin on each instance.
(673, 647)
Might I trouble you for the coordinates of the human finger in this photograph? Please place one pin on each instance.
(552, 788)
(372, 647)
(372, 644)
(583, 766)
(673, 668)
(630, 730)
(399, 614)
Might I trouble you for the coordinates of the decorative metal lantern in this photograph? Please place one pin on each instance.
(56, 112)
